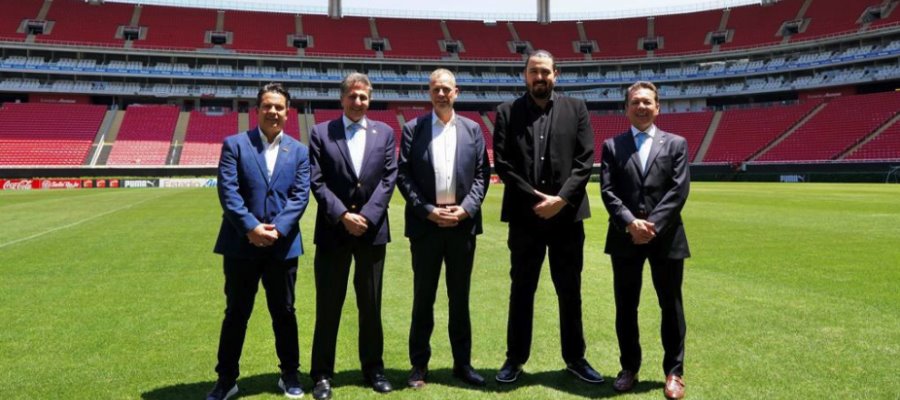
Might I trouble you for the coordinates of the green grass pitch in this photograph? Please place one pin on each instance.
(793, 293)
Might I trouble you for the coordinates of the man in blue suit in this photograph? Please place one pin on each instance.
(444, 175)
(263, 184)
(353, 171)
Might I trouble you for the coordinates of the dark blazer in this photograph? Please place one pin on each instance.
(571, 156)
(337, 189)
(249, 197)
(415, 176)
(657, 196)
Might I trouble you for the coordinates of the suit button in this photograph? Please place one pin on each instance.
(353, 206)
(358, 184)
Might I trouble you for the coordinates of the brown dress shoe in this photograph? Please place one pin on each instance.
(674, 387)
(625, 381)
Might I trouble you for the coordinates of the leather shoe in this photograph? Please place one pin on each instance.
(322, 390)
(417, 377)
(223, 390)
(584, 371)
(625, 381)
(468, 375)
(290, 385)
(674, 387)
(380, 383)
(509, 372)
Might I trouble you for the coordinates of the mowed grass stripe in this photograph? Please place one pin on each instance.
(791, 293)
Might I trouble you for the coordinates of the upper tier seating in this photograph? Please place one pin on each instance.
(757, 25)
(337, 36)
(71, 21)
(48, 134)
(617, 38)
(260, 31)
(829, 16)
(14, 12)
(556, 37)
(482, 41)
(843, 122)
(145, 136)
(176, 28)
(682, 35)
(204, 136)
(411, 38)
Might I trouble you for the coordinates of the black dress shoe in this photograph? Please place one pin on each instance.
(379, 382)
(468, 375)
(290, 385)
(322, 390)
(584, 371)
(417, 377)
(223, 390)
(509, 372)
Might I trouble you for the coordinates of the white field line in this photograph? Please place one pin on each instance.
(79, 222)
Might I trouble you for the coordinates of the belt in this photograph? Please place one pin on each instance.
(445, 205)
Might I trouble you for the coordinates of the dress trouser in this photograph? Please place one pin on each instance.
(564, 243)
(456, 248)
(332, 270)
(667, 278)
(242, 276)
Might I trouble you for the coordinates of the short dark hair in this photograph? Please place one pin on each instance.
(273, 87)
(541, 53)
(352, 80)
(641, 85)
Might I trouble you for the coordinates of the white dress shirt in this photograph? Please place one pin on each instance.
(644, 148)
(443, 158)
(355, 132)
(271, 150)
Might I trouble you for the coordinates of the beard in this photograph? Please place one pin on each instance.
(540, 90)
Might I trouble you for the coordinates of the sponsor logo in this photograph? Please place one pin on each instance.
(60, 184)
(17, 184)
(140, 183)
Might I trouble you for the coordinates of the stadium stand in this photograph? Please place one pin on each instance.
(334, 37)
(885, 146)
(481, 40)
(204, 136)
(47, 134)
(145, 136)
(14, 12)
(556, 37)
(617, 38)
(829, 16)
(411, 38)
(186, 31)
(684, 33)
(691, 125)
(756, 25)
(70, 17)
(893, 16)
(843, 122)
(248, 35)
(742, 132)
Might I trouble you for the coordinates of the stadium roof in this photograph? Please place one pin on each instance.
(495, 10)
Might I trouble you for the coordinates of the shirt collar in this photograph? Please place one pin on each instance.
(347, 122)
(435, 120)
(651, 132)
(265, 140)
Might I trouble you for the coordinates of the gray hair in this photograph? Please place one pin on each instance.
(354, 79)
(442, 71)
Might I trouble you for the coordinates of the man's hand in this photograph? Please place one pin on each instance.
(641, 231)
(443, 217)
(549, 206)
(354, 223)
(263, 235)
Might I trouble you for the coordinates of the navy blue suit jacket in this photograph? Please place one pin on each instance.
(249, 197)
(337, 189)
(415, 176)
(657, 194)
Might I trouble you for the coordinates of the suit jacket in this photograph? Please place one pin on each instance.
(338, 189)
(571, 156)
(415, 174)
(657, 195)
(249, 197)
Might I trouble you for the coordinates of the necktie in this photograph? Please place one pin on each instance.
(639, 140)
(355, 146)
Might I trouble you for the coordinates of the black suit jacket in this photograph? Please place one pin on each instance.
(658, 195)
(571, 156)
(415, 176)
(337, 189)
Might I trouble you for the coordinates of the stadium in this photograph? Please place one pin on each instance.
(790, 110)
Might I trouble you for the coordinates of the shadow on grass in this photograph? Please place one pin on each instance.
(561, 381)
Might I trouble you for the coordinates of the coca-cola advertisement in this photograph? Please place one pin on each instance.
(16, 184)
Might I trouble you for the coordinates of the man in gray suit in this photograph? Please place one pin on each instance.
(644, 184)
(443, 174)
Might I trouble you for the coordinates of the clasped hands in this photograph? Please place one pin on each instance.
(354, 223)
(549, 205)
(641, 231)
(264, 235)
(447, 216)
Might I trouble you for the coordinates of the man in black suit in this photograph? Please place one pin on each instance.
(443, 174)
(544, 151)
(263, 186)
(353, 172)
(644, 185)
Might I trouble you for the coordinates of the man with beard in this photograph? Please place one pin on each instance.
(543, 152)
